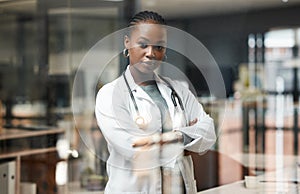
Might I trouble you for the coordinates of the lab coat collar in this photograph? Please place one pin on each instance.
(130, 80)
(159, 80)
(164, 88)
(135, 88)
(132, 83)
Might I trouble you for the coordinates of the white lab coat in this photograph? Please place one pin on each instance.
(137, 170)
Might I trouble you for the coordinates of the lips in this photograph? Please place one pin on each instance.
(151, 62)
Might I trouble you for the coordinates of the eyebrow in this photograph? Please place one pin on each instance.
(146, 39)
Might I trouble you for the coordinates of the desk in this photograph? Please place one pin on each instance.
(271, 186)
(277, 180)
(74, 188)
(27, 147)
(236, 187)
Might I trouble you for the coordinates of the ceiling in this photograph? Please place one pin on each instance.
(168, 8)
(186, 8)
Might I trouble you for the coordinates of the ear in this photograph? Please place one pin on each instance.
(126, 42)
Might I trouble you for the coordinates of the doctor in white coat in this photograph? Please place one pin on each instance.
(149, 120)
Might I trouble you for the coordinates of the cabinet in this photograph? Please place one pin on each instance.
(35, 154)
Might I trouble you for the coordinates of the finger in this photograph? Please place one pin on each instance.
(140, 142)
(193, 122)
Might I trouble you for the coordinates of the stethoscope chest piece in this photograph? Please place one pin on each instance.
(140, 122)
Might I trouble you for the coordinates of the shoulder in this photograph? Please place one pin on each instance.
(111, 97)
(179, 86)
(183, 90)
(108, 90)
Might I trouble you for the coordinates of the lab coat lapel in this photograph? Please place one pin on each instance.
(177, 115)
(166, 94)
(187, 170)
(137, 91)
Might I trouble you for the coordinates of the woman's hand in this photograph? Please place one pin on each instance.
(147, 141)
(169, 137)
(193, 122)
(143, 141)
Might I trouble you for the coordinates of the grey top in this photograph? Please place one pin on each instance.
(153, 91)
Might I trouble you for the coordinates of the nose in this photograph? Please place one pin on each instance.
(150, 53)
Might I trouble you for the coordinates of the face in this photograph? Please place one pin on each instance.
(146, 46)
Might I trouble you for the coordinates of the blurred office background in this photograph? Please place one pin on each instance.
(254, 43)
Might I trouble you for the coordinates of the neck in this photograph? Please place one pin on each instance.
(141, 78)
(147, 83)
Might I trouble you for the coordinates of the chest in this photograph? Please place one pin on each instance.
(154, 112)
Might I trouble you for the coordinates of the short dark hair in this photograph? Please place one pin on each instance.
(145, 16)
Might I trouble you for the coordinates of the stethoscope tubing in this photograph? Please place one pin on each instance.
(131, 95)
(174, 94)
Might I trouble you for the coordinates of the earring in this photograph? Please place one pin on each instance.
(125, 52)
(165, 57)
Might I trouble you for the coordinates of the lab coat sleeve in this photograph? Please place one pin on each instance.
(115, 121)
(202, 133)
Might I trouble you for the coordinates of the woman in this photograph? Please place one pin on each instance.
(148, 119)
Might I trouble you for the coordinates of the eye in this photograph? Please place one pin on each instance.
(143, 45)
(159, 48)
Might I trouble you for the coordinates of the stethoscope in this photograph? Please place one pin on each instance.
(140, 120)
